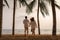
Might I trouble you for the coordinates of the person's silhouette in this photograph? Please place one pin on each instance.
(26, 25)
(33, 25)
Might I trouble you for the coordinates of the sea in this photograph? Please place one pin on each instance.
(21, 31)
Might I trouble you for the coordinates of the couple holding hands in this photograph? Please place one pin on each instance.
(28, 24)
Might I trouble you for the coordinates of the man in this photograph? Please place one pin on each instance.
(26, 25)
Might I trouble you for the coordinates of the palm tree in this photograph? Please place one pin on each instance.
(42, 7)
(54, 16)
(1, 11)
(38, 17)
(14, 8)
(53, 5)
(1, 8)
(21, 2)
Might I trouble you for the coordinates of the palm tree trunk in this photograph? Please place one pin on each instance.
(54, 18)
(14, 17)
(1, 9)
(38, 18)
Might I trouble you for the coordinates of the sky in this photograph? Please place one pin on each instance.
(45, 22)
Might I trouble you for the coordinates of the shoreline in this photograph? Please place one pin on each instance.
(30, 37)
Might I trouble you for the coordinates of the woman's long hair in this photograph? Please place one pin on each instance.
(32, 19)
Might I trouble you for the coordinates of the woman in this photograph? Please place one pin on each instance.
(33, 25)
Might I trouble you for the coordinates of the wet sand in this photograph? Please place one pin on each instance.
(30, 37)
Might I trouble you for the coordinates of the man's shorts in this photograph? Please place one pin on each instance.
(26, 28)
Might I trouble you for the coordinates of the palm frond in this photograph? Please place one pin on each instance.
(43, 8)
(6, 3)
(49, 1)
(54, 3)
(31, 6)
(42, 12)
(19, 2)
(57, 6)
(28, 10)
(3, 5)
(23, 2)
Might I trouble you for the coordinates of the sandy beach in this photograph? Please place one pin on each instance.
(30, 37)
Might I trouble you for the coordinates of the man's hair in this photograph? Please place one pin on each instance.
(25, 16)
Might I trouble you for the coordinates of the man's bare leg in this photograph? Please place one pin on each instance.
(27, 32)
(33, 32)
